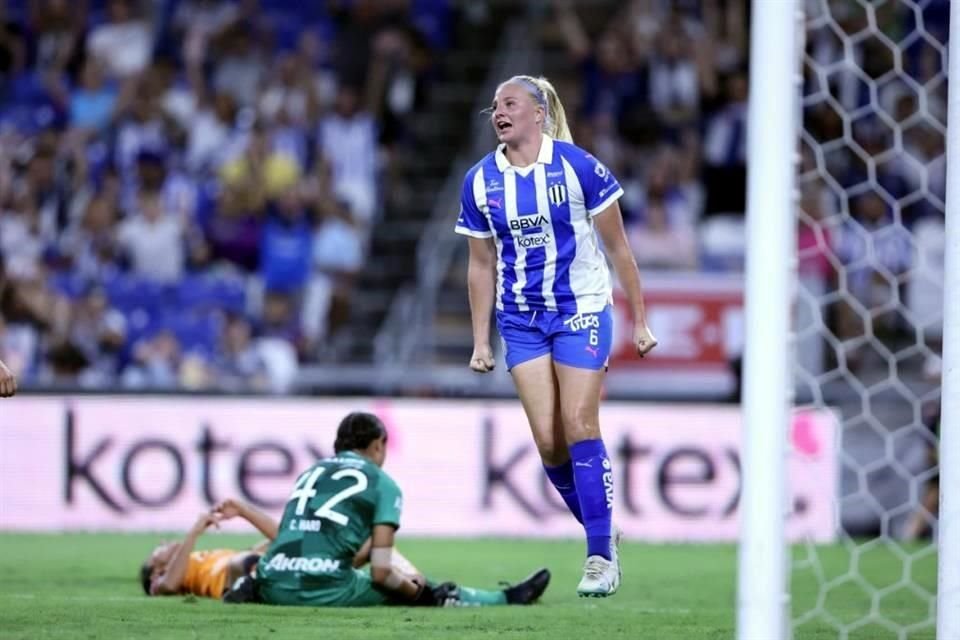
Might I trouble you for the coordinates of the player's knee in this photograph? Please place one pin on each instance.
(580, 423)
(554, 453)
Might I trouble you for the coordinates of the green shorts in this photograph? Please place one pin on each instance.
(350, 588)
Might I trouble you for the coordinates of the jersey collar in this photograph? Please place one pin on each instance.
(545, 156)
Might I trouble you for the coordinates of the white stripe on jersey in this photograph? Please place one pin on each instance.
(520, 265)
(550, 264)
(480, 198)
(584, 272)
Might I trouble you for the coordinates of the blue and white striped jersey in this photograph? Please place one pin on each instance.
(541, 219)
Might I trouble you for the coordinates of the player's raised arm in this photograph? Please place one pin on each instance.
(480, 287)
(609, 224)
(171, 580)
(232, 508)
(8, 381)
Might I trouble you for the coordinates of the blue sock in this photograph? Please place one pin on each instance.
(562, 478)
(594, 483)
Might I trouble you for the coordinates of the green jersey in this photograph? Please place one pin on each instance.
(330, 514)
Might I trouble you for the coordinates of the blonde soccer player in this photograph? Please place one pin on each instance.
(535, 211)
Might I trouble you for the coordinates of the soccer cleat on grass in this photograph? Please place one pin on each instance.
(615, 538)
(243, 591)
(601, 578)
(529, 589)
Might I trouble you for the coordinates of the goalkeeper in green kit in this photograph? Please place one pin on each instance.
(337, 505)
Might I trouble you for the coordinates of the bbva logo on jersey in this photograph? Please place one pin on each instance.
(557, 193)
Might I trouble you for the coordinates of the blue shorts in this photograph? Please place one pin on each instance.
(581, 340)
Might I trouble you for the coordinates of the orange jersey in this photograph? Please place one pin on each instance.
(207, 572)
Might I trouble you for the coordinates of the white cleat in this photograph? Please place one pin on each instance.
(615, 538)
(601, 578)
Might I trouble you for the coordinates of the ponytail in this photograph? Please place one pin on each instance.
(555, 123)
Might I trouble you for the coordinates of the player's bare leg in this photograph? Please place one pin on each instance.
(537, 386)
(579, 392)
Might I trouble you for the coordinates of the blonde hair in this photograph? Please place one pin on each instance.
(542, 91)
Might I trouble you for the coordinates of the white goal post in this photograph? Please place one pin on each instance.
(948, 587)
(771, 152)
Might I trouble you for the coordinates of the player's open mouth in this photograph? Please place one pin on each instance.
(503, 126)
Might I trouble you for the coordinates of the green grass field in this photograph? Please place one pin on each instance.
(84, 586)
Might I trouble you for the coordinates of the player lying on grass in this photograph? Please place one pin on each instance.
(174, 568)
(337, 505)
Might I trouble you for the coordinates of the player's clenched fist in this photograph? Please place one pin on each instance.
(643, 338)
(8, 382)
(204, 522)
(227, 509)
(482, 359)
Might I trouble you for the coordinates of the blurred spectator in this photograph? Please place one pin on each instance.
(153, 240)
(57, 28)
(233, 232)
(197, 22)
(286, 245)
(876, 252)
(725, 151)
(660, 227)
(337, 259)
(240, 65)
(280, 319)
(64, 364)
(313, 57)
(238, 365)
(814, 240)
(155, 171)
(124, 43)
(13, 49)
(28, 302)
(210, 133)
(615, 83)
(674, 76)
(260, 172)
(348, 145)
(156, 363)
(93, 102)
(290, 96)
(99, 332)
(23, 238)
(19, 344)
(144, 126)
(89, 243)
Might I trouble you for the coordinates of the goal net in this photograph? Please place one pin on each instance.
(868, 321)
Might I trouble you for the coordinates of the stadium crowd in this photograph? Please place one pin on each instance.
(187, 187)
(663, 101)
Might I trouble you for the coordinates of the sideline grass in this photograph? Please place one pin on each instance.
(85, 586)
